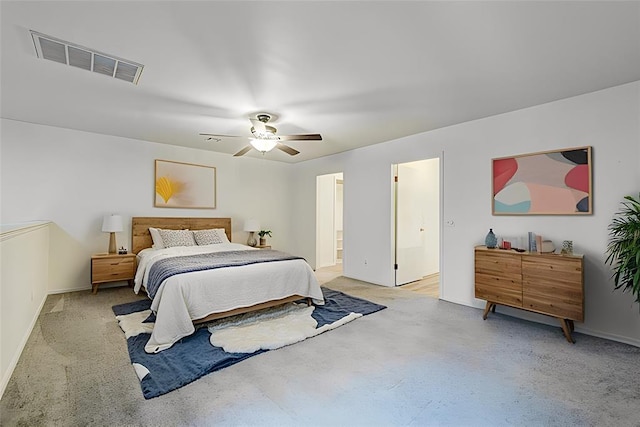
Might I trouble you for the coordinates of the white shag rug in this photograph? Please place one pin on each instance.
(270, 329)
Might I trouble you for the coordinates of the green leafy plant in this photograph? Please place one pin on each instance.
(623, 249)
(263, 233)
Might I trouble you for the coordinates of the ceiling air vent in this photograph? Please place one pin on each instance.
(57, 50)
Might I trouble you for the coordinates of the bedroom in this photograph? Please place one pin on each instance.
(73, 177)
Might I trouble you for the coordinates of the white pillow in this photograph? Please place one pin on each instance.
(172, 238)
(207, 237)
(157, 239)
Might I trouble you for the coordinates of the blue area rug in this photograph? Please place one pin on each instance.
(194, 356)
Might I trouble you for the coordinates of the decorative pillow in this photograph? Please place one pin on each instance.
(207, 237)
(155, 236)
(171, 238)
(222, 234)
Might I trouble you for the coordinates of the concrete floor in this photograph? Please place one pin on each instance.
(419, 362)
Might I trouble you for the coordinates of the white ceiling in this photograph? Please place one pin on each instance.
(358, 73)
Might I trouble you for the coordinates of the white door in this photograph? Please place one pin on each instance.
(325, 221)
(409, 223)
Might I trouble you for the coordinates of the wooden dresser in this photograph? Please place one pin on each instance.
(548, 284)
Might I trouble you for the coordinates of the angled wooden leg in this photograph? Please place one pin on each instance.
(487, 308)
(567, 330)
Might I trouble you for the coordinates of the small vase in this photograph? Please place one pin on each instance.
(263, 241)
(491, 241)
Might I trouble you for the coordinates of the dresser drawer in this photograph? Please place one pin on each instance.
(498, 262)
(112, 269)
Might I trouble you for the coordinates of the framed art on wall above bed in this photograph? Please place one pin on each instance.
(184, 185)
(556, 182)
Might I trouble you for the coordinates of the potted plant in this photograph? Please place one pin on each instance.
(262, 234)
(623, 249)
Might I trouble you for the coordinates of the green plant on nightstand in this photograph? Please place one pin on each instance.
(623, 249)
(262, 234)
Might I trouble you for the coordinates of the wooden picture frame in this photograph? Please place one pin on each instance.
(184, 185)
(557, 182)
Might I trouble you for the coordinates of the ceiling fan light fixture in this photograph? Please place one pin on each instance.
(263, 145)
(269, 132)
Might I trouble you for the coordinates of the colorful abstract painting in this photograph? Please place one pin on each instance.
(546, 183)
(184, 185)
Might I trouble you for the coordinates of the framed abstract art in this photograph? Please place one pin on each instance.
(554, 182)
(184, 185)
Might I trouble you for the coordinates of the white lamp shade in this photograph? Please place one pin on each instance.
(251, 225)
(263, 145)
(112, 223)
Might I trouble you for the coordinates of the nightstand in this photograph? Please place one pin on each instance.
(112, 268)
(263, 246)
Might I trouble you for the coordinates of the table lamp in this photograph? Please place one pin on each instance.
(251, 225)
(112, 224)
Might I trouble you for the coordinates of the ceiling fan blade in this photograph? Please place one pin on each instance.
(306, 137)
(242, 152)
(287, 149)
(211, 136)
(258, 126)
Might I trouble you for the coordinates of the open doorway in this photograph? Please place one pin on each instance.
(416, 206)
(329, 231)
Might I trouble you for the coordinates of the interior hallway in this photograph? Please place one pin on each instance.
(421, 361)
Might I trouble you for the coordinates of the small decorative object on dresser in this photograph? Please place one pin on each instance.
(112, 268)
(491, 241)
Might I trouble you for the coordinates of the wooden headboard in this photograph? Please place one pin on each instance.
(141, 238)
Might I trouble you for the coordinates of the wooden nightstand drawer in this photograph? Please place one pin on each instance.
(112, 268)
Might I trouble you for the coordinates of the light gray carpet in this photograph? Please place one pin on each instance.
(419, 362)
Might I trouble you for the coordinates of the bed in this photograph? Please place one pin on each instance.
(181, 299)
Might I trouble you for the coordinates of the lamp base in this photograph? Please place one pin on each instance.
(112, 243)
(252, 240)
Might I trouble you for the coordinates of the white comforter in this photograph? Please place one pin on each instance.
(190, 296)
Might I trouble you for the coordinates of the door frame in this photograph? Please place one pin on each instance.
(319, 235)
(441, 223)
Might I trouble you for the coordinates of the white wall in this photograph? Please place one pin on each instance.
(432, 223)
(325, 225)
(24, 250)
(607, 120)
(73, 178)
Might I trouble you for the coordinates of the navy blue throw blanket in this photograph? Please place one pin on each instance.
(165, 268)
(193, 357)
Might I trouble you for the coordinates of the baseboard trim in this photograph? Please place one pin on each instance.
(20, 349)
(63, 291)
(608, 336)
(549, 320)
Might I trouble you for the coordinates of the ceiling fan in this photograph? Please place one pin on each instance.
(264, 137)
